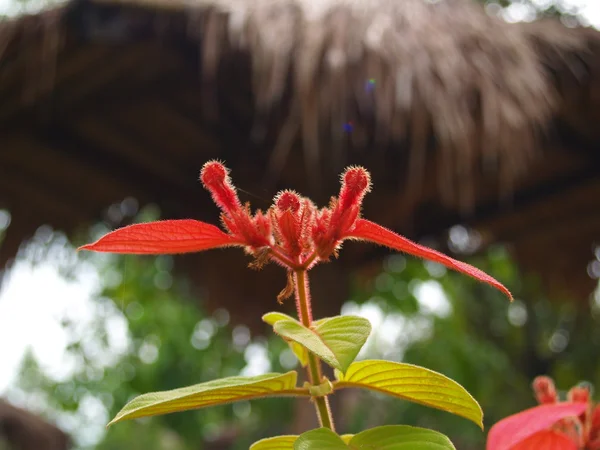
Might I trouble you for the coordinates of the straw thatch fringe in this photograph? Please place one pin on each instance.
(412, 68)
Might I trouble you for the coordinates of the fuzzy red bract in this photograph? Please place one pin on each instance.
(293, 232)
(370, 231)
(164, 236)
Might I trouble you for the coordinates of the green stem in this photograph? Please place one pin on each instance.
(314, 364)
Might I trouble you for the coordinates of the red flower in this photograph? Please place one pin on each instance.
(554, 425)
(293, 232)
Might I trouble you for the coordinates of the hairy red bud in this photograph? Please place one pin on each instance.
(288, 201)
(356, 182)
(215, 178)
(544, 390)
(578, 394)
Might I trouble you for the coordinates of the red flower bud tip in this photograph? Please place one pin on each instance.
(578, 394)
(544, 389)
(288, 216)
(288, 201)
(262, 224)
(356, 182)
(215, 178)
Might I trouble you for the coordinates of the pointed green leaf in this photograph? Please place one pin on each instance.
(320, 439)
(412, 383)
(275, 443)
(345, 336)
(400, 437)
(335, 340)
(273, 317)
(297, 332)
(212, 393)
(301, 353)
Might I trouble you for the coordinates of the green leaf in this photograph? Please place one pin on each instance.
(275, 443)
(272, 317)
(212, 393)
(400, 437)
(301, 353)
(345, 336)
(320, 439)
(390, 437)
(335, 340)
(296, 332)
(412, 383)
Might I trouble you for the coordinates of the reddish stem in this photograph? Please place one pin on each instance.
(314, 364)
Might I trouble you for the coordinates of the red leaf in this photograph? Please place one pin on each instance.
(370, 231)
(165, 236)
(546, 440)
(516, 428)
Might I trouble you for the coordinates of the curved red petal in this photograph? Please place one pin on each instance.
(370, 231)
(546, 440)
(165, 236)
(517, 428)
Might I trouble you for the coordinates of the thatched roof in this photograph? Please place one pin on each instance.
(458, 115)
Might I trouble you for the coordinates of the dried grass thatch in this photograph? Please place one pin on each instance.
(449, 108)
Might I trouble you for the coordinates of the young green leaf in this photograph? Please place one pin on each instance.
(335, 340)
(301, 353)
(400, 437)
(345, 335)
(390, 437)
(273, 317)
(275, 443)
(320, 439)
(212, 393)
(412, 383)
(296, 332)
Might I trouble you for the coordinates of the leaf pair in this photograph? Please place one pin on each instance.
(338, 340)
(390, 437)
(335, 340)
(405, 381)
